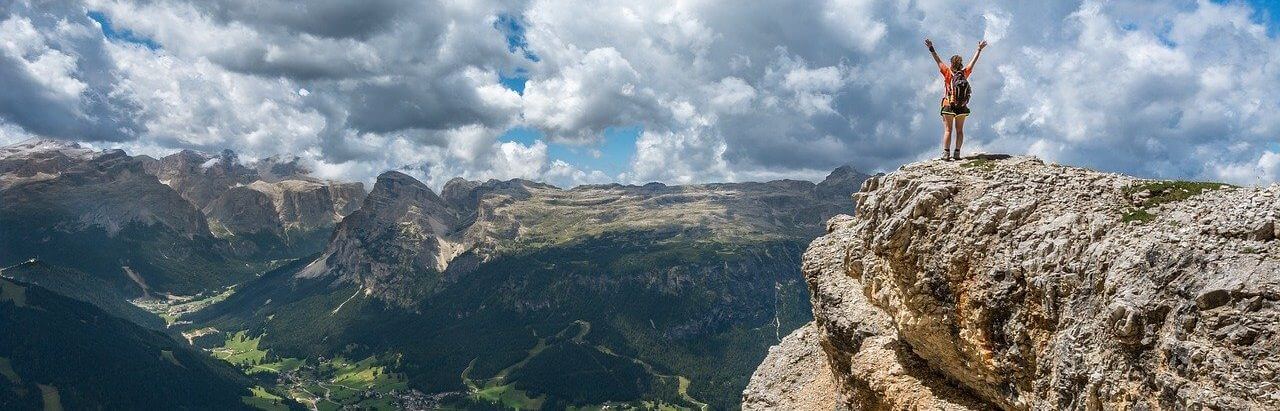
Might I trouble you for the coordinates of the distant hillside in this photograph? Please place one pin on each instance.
(99, 212)
(183, 224)
(84, 287)
(551, 297)
(58, 353)
(488, 294)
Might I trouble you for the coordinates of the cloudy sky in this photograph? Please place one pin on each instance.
(571, 92)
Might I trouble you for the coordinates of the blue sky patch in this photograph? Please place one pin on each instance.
(617, 150)
(522, 135)
(1265, 12)
(1162, 34)
(515, 82)
(1268, 13)
(612, 156)
(128, 36)
(513, 29)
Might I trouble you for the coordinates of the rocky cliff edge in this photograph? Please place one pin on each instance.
(1008, 283)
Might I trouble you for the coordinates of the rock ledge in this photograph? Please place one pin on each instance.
(1004, 282)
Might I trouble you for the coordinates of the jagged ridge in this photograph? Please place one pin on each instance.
(270, 207)
(404, 240)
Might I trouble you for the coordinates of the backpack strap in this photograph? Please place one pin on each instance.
(951, 83)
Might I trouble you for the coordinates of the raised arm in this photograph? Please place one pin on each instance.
(929, 43)
(974, 60)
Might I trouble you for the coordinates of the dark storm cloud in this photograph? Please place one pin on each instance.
(325, 18)
(434, 104)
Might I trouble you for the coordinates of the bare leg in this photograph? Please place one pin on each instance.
(959, 133)
(947, 124)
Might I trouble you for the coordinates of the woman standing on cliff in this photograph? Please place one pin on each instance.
(955, 97)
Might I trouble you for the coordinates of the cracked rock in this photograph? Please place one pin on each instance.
(1021, 285)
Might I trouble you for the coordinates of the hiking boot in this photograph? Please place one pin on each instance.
(946, 155)
(955, 155)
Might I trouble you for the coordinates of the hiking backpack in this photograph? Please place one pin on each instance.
(960, 89)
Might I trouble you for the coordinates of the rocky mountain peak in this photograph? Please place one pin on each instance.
(33, 158)
(278, 168)
(398, 178)
(841, 173)
(40, 146)
(465, 196)
(198, 177)
(100, 212)
(459, 192)
(396, 189)
(1008, 283)
(225, 162)
(843, 181)
(274, 196)
(396, 245)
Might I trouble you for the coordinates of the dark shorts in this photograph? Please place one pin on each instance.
(958, 111)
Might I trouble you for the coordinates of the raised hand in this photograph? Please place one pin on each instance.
(981, 44)
(928, 43)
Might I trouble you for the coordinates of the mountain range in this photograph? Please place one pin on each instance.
(487, 294)
(271, 207)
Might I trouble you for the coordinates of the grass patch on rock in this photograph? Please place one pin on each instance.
(1150, 194)
(1137, 214)
(1154, 193)
(980, 164)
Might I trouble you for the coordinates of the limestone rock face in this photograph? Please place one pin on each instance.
(85, 188)
(100, 212)
(300, 204)
(1014, 284)
(198, 177)
(298, 217)
(242, 210)
(346, 197)
(794, 376)
(299, 198)
(395, 245)
(281, 168)
(39, 159)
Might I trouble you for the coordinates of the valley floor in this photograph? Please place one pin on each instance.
(322, 384)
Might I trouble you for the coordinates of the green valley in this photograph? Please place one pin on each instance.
(539, 329)
(57, 352)
(491, 295)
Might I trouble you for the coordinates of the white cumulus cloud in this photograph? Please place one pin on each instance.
(720, 90)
